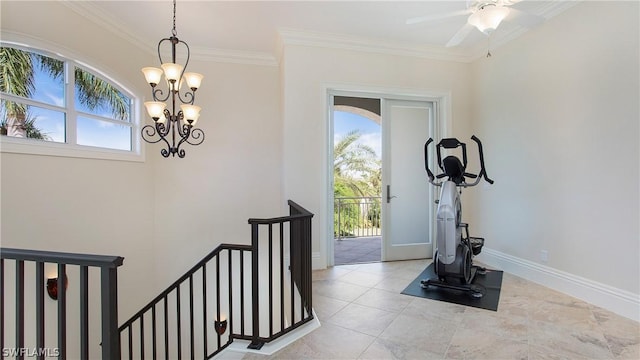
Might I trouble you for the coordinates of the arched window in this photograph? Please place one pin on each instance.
(50, 102)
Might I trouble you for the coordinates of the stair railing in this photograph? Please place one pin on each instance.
(238, 292)
(35, 263)
(161, 330)
(294, 290)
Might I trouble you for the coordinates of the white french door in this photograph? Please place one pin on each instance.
(407, 197)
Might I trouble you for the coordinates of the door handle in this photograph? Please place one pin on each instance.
(389, 197)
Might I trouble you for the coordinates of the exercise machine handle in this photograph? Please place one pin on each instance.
(426, 162)
(483, 171)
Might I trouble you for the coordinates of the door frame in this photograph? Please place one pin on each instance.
(443, 126)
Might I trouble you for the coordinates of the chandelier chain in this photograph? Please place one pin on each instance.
(174, 32)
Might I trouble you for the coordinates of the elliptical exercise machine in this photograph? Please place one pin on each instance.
(453, 261)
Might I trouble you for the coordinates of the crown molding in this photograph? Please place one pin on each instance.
(93, 13)
(288, 36)
(457, 54)
(554, 8)
(363, 44)
(234, 56)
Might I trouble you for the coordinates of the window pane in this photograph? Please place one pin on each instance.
(19, 120)
(103, 134)
(33, 76)
(98, 97)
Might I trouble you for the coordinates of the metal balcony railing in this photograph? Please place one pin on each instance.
(356, 216)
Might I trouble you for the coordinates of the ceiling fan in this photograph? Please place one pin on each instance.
(485, 15)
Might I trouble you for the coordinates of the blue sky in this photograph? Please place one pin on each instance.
(90, 132)
(343, 122)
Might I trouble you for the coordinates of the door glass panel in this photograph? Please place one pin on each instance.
(408, 183)
(407, 199)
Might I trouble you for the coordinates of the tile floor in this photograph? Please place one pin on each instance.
(357, 250)
(364, 316)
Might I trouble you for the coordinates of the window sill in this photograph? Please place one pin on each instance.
(45, 148)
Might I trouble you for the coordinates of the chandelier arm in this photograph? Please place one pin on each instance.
(163, 129)
(197, 135)
(184, 137)
(186, 63)
(179, 122)
(189, 97)
(157, 95)
(148, 132)
(159, 45)
(184, 68)
(164, 152)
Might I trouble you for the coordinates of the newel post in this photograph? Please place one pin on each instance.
(109, 297)
(255, 295)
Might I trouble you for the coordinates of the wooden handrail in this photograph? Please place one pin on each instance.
(62, 257)
(110, 346)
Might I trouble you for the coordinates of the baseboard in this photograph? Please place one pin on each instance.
(238, 348)
(316, 262)
(619, 301)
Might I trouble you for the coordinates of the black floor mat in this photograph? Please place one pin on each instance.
(491, 281)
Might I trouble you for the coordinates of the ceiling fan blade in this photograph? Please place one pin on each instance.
(523, 18)
(430, 18)
(460, 35)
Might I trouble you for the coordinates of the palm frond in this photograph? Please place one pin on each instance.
(356, 165)
(16, 76)
(95, 92)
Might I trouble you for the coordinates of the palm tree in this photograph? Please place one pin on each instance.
(17, 70)
(356, 166)
(29, 127)
(16, 77)
(356, 173)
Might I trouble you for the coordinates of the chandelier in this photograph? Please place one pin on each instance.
(171, 127)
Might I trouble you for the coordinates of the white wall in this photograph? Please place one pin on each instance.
(307, 74)
(207, 197)
(75, 204)
(80, 205)
(558, 110)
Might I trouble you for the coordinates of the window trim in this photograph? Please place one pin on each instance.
(50, 148)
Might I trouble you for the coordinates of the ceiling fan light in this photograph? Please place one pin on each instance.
(488, 18)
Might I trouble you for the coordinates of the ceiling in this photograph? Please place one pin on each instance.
(255, 29)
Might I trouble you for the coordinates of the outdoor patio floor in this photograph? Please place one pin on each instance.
(357, 250)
